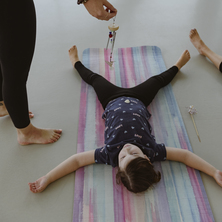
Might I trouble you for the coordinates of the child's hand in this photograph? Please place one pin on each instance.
(218, 177)
(39, 185)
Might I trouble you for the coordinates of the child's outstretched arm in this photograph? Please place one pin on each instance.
(194, 161)
(68, 166)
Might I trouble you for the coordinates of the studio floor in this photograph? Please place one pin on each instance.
(54, 94)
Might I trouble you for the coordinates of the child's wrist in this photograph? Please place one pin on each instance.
(49, 179)
(215, 173)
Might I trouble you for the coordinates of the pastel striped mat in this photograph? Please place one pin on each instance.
(180, 195)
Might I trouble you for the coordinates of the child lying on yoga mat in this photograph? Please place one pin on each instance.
(129, 143)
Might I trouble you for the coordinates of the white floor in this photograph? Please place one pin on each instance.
(54, 92)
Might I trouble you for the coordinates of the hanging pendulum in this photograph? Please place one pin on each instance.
(112, 36)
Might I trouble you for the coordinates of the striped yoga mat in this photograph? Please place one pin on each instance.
(180, 195)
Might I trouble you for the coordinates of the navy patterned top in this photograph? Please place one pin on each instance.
(126, 121)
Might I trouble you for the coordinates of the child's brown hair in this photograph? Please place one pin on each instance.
(138, 176)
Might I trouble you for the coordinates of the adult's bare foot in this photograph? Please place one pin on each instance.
(39, 185)
(184, 58)
(73, 55)
(4, 111)
(197, 42)
(31, 115)
(32, 134)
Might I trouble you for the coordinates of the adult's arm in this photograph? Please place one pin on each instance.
(100, 9)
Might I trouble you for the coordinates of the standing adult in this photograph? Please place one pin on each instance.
(17, 44)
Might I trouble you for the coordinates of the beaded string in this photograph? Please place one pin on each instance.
(111, 38)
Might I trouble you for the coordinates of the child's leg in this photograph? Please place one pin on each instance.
(105, 90)
(147, 90)
(204, 50)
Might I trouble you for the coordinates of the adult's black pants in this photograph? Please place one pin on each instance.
(17, 43)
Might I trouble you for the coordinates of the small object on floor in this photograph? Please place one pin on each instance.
(193, 111)
(112, 36)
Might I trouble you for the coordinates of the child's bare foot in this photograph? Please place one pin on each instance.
(4, 112)
(197, 42)
(31, 134)
(184, 58)
(73, 55)
(39, 185)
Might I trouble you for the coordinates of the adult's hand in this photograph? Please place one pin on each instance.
(100, 9)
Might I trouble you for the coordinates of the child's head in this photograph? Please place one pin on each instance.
(135, 169)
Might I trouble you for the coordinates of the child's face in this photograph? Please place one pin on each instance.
(128, 153)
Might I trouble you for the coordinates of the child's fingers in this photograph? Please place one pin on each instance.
(32, 187)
